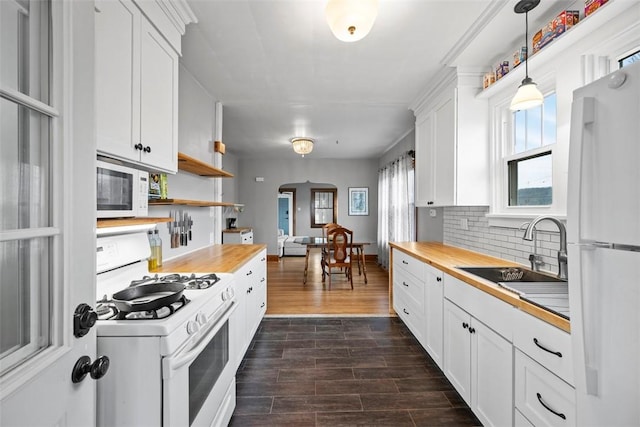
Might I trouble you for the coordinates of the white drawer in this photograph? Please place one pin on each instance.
(407, 263)
(546, 344)
(491, 311)
(411, 286)
(543, 398)
(408, 313)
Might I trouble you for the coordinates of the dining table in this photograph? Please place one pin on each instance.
(320, 242)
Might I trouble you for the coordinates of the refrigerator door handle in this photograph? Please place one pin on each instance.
(582, 113)
(588, 316)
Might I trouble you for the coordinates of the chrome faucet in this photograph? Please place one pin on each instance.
(562, 253)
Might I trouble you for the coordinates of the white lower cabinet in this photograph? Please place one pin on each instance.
(542, 397)
(543, 373)
(251, 296)
(478, 362)
(417, 298)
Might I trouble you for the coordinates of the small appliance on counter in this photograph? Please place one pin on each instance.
(231, 222)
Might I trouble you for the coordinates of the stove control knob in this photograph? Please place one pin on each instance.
(231, 293)
(192, 327)
(201, 318)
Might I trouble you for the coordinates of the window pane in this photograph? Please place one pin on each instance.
(24, 167)
(24, 299)
(530, 181)
(24, 47)
(534, 127)
(549, 123)
(519, 134)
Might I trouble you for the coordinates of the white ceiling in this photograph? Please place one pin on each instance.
(279, 71)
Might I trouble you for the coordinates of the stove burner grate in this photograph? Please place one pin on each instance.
(106, 310)
(190, 281)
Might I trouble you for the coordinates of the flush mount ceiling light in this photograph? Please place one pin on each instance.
(302, 145)
(351, 20)
(528, 94)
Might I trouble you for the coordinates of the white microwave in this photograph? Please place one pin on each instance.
(121, 191)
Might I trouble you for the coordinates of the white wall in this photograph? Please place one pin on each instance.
(260, 198)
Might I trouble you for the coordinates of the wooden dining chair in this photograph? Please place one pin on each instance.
(339, 252)
(325, 236)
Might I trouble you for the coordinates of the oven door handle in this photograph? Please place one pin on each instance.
(175, 363)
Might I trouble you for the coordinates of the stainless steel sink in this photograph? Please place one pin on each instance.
(541, 289)
(510, 274)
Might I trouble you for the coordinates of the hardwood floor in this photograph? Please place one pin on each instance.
(287, 295)
(343, 371)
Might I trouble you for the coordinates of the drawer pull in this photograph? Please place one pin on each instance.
(557, 353)
(405, 283)
(439, 279)
(465, 325)
(472, 330)
(405, 262)
(559, 414)
(249, 273)
(405, 311)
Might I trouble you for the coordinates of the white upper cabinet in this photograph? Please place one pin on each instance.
(452, 144)
(136, 88)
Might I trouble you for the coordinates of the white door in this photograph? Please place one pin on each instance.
(457, 349)
(47, 213)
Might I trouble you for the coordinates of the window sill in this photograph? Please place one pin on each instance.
(516, 220)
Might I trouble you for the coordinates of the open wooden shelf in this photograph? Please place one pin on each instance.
(198, 167)
(186, 202)
(122, 222)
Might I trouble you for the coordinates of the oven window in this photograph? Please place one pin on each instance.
(205, 370)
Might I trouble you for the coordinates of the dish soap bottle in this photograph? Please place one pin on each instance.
(153, 263)
(158, 240)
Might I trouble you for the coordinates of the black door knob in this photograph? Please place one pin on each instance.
(138, 146)
(83, 319)
(96, 370)
(147, 149)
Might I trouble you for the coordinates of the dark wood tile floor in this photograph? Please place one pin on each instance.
(349, 371)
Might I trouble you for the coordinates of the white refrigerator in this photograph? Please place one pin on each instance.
(603, 227)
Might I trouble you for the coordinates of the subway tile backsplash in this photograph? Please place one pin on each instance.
(500, 242)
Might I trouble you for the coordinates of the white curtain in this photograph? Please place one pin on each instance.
(396, 206)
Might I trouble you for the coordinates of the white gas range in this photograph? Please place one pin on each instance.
(167, 338)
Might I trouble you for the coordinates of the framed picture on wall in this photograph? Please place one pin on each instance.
(358, 200)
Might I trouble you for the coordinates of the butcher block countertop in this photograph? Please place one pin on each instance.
(446, 258)
(212, 259)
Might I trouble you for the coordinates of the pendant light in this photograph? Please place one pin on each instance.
(302, 145)
(528, 94)
(351, 20)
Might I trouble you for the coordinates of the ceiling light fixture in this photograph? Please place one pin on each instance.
(302, 145)
(528, 95)
(351, 20)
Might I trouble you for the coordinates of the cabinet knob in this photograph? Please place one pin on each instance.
(472, 330)
(465, 325)
(138, 146)
(439, 279)
(405, 311)
(405, 283)
(405, 262)
(147, 149)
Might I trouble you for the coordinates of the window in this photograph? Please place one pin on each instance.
(629, 59)
(529, 164)
(323, 206)
(27, 232)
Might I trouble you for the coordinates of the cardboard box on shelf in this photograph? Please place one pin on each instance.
(489, 79)
(519, 56)
(535, 41)
(501, 69)
(590, 6)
